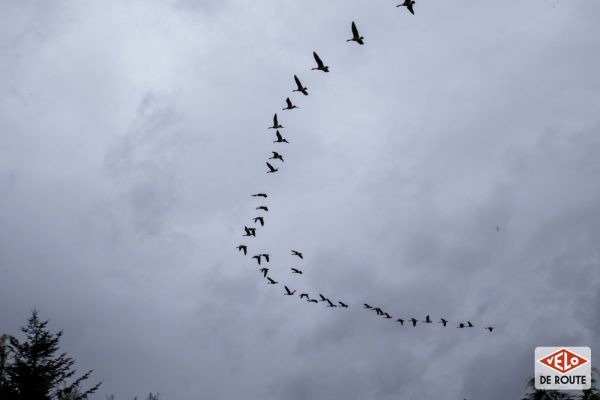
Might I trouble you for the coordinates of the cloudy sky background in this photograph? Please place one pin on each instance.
(132, 133)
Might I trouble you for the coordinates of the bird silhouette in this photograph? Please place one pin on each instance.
(289, 105)
(263, 208)
(427, 320)
(342, 304)
(401, 321)
(355, 35)
(378, 310)
(300, 88)
(387, 316)
(288, 292)
(323, 298)
(297, 253)
(320, 65)
(313, 301)
(272, 169)
(271, 281)
(266, 256)
(367, 306)
(489, 328)
(304, 295)
(414, 321)
(296, 271)
(276, 156)
(409, 5)
(261, 220)
(461, 325)
(469, 324)
(443, 322)
(243, 248)
(280, 138)
(276, 124)
(264, 271)
(329, 303)
(249, 231)
(257, 257)
(259, 195)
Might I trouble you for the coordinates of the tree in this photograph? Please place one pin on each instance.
(535, 394)
(5, 389)
(37, 372)
(592, 393)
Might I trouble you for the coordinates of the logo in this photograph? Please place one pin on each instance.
(563, 368)
(563, 361)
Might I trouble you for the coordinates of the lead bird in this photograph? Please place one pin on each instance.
(409, 5)
(320, 65)
(355, 35)
(289, 105)
(272, 169)
(300, 88)
(276, 124)
(276, 156)
(280, 139)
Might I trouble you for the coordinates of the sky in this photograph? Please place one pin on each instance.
(132, 134)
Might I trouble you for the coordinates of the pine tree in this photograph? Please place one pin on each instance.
(37, 372)
(536, 394)
(592, 393)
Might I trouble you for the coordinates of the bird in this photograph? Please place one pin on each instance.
(276, 156)
(489, 328)
(261, 220)
(443, 322)
(280, 138)
(300, 88)
(266, 256)
(355, 35)
(264, 271)
(276, 123)
(288, 292)
(409, 5)
(414, 321)
(264, 208)
(271, 281)
(469, 324)
(461, 325)
(342, 304)
(295, 271)
(272, 169)
(323, 298)
(401, 321)
(330, 304)
(378, 310)
(387, 316)
(320, 65)
(258, 257)
(365, 305)
(243, 248)
(289, 105)
(249, 231)
(313, 301)
(304, 295)
(297, 253)
(427, 320)
(259, 195)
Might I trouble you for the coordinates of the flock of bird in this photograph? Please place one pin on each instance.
(263, 259)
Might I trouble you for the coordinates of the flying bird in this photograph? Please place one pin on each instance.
(296, 271)
(469, 324)
(342, 304)
(409, 5)
(304, 295)
(249, 231)
(280, 138)
(289, 105)
(461, 325)
(378, 310)
(258, 257)
(288, 292)
(323, 298)
(261, 220)
(259, 195)
(387, 316)
(367, 306)
(427, 320)
(264, 208)
(276, 156)
(401, 321)
(320, 65)
(266, 256)
(272, 169)
(297, 253)
(300, 88)
(243, 248)
(489, 328)
(276, 124)
(330, 304)
(264, 271)
(443, 322)
(313, 301)
(414, 322)
(355, 35)
(271, 281)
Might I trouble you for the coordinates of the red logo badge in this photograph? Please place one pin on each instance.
(563, 361)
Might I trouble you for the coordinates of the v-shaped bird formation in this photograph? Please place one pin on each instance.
(273, 164)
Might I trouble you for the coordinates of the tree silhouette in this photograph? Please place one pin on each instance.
(592, 393)
(36, 372)
(536, 394)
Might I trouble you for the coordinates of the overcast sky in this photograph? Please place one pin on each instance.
(133, 133)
